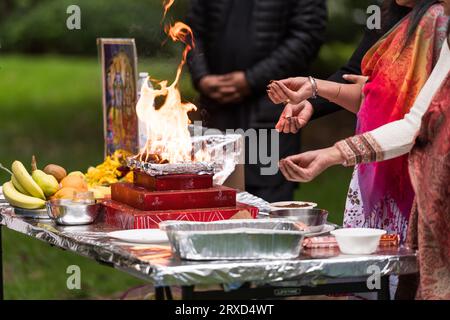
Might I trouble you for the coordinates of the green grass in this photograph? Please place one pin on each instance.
(51, 106)
(34, 270)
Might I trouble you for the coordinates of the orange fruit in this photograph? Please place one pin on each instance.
(75, 182)
(64, 193)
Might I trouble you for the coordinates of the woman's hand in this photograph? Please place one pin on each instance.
(280, 91)
(296, 90)
(306, 166)
(295, 117)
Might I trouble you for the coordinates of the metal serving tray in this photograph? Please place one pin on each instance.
(234, 239)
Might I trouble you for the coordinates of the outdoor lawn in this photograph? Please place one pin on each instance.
(50, 106)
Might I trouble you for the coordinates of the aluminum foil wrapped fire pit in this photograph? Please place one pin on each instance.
(225, 151)
(158, 169)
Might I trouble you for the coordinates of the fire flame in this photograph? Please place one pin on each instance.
(167, 130)
(167, 4)
(183, 33)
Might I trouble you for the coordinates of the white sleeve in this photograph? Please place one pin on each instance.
(397, 138)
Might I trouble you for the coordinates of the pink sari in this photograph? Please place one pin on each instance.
(396, 76)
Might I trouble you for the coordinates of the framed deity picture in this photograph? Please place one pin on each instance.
(119, 79)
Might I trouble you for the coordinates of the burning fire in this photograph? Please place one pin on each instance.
(168, 137)
(167, 4)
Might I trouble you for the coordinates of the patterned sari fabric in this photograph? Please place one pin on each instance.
(429, 228)
(381, 194)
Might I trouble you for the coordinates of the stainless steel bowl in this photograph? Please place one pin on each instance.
(69, 213)
(313, 219)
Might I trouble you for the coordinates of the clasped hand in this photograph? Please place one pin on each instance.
(229, 88)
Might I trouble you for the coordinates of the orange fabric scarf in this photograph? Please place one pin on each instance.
(396, 76)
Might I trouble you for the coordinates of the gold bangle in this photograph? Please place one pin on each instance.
(339, 92)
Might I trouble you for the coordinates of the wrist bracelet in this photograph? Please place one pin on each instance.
(339, 92)
(315, 90)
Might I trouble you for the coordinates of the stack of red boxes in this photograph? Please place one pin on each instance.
(150, 200)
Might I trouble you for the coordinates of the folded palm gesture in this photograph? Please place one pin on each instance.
(298, 111)
(291, 90)
(294, 117)
(304, 167)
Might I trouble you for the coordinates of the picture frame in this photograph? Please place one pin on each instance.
(118, 58)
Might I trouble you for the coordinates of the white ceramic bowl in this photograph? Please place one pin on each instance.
(283, 205)
(358, 240)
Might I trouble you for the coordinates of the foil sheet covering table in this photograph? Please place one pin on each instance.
(311, 267)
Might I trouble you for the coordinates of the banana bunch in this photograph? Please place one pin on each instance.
(20, 200)
(28, 191)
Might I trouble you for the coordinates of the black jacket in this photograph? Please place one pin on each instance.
(323, 107)
(287, 37)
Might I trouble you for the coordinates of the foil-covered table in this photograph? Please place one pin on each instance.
(309, 269)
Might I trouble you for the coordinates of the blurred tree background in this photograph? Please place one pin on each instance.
(50, 105)
(38, 26)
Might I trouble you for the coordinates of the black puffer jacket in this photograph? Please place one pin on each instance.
(288, 36)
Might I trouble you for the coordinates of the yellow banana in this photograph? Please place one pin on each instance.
(17, 199)
(26, 181)
(18, 186)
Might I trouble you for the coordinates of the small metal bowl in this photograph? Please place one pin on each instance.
(314, 219)
(70, 213)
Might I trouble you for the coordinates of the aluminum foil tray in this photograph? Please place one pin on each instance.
(156, 169)
(234, 239)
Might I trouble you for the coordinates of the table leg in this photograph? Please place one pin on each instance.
(168, 293)
(384, 293)
(159, 293)
(187, 292)
(1, 264)
(163, 293)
